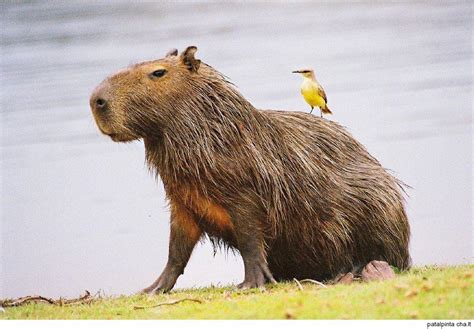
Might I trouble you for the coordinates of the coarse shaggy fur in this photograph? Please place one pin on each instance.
(320, 202)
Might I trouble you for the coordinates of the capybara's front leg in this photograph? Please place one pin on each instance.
(183, 237)
(256, 267)
(251, 247)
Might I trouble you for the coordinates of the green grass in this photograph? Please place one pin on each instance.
(422, 293)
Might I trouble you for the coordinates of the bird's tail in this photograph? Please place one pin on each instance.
(326, 110)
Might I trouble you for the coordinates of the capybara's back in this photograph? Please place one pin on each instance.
(341, 208)
(295, 194)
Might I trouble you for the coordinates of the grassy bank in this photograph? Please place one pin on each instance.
(422, 293)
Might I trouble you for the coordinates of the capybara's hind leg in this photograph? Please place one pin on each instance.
(183, 237)
(377, 270)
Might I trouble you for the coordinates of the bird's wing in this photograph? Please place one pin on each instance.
(316, 88)
(322, 93)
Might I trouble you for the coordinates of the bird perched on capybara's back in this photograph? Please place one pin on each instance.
(296, 195)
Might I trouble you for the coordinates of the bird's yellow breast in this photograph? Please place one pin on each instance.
(309, 90)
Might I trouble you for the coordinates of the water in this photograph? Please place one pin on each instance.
(80, 212)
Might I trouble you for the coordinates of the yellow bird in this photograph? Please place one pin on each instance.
(312, 92)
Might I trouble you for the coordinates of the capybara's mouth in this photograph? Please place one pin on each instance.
(121, 138)
(117, 137)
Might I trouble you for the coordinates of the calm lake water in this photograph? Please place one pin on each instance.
(80, 212)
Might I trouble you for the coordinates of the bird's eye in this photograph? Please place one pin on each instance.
(158, 73)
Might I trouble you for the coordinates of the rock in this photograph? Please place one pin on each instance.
(377, 270)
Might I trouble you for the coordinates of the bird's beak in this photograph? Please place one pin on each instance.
(296, 72)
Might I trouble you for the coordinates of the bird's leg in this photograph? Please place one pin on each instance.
(312, 108)
(321, 112)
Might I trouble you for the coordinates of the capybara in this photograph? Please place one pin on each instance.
(295, 194)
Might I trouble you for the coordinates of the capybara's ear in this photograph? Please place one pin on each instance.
(187, 57)
(172, 52)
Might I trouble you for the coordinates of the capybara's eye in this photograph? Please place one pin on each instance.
(158, 73)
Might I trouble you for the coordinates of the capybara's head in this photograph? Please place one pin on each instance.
(138, 101)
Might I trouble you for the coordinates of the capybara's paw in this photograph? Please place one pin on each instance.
(347, 278)
(256, 276)
(159, 289)
(152, 291)
(249, 284)
(377, 270)
(164, 283)
(164, 286)
(146, 291)
(252, 283)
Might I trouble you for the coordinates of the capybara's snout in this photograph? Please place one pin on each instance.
(99, 103)
(107, 115)
(98, 100)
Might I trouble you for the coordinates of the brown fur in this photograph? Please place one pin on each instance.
(212, 217)
(183, 220)
(287, 189)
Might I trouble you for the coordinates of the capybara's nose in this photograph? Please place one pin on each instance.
(98, 101)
